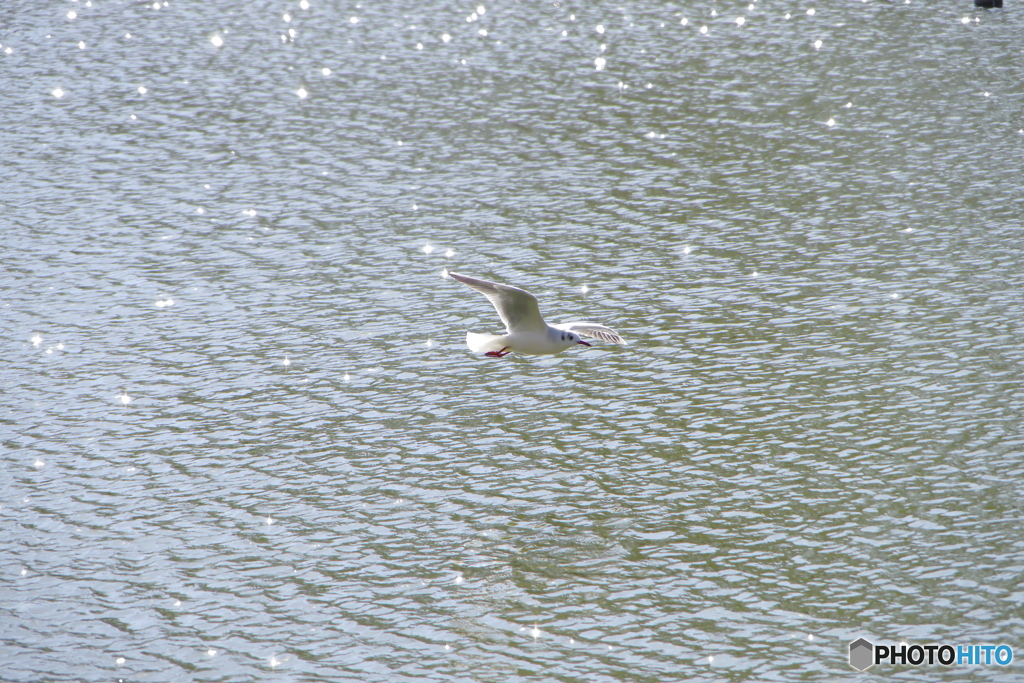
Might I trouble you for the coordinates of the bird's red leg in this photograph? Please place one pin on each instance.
(498, 354)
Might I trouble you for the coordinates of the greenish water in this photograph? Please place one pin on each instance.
(813, 436)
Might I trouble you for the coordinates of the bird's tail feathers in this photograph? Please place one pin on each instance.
(482, 343)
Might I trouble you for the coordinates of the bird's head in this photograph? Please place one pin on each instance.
(571, 339)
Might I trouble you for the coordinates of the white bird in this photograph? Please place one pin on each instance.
(526, 331)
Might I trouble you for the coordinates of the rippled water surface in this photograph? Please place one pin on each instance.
(242, 438)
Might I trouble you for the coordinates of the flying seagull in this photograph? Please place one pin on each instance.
(526, 331)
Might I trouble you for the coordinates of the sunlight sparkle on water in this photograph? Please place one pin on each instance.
(304, 5)
(124, 398)
(81, 45)
(810, 12)
(449, 253)
(428, 248)
(445, 37)
(830, 123)
(704, 30)
(817, 45)
(684, 21)
(36, 340)
(301, 92)
(354, 20)
(599, 28)
(325, 71)
(286, 362)
(211, 652)
(71, 14)
(58, 93)
(120, 660)
(142, 90)
(216, 40)
(599, 63)
(740, 21)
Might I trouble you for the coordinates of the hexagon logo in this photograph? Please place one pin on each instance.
(862, 654)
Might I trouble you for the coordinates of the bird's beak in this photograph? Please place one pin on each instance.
(583, 342)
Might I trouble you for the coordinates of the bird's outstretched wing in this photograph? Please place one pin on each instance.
(595, 330)
(517, 308)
